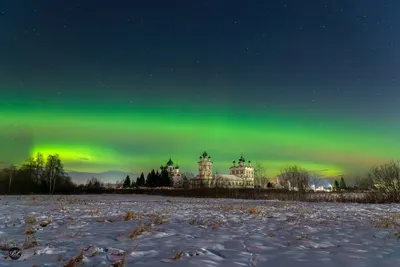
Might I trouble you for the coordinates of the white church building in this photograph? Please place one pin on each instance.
(240, 175)
(174, 173)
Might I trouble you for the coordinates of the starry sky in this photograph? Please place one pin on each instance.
(123, 85)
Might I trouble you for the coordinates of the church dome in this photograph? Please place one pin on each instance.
(205, 154)
(170, 163)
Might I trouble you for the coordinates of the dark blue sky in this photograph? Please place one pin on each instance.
(313, 82)
(330, 56)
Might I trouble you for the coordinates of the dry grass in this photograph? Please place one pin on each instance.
(130, 215)
(216, 225)
(158, 219)
(46, 222)
(103, 220)
(178, 255)
(61, 209)
(79, 234)
(75, 261)
(140, 229)
(251, 210)
(254, 211)
(387, 222)
(226, 208)
(302, 214)
(395, 215)
(270, 234)
(31, 220)
(29, 231)
(94, 212)
(324, 223)
(304, 237)
(119, 263)
(397, 234)
(196, 221)
(30, 239)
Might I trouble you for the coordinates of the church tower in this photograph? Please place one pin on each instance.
(205, 167)
(170, 166)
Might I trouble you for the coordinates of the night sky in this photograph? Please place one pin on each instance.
(124, 85)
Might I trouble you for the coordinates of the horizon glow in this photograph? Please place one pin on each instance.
(136, 139)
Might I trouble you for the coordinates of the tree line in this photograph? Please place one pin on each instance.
(40, 175)
(37, 175)
(159, 178)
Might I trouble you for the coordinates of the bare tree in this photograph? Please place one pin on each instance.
(187, 179)
(12, 169)
(219, 181)
(54, 169)
(260, 175)
(94, 183)
(38, 163)
(35, 168)
(294, 177)
(364, 183)
(386, 178)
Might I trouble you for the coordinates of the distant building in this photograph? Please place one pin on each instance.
(240, 175)
(314, 184)
(319, 184)
(173, 173)
(116, 185)
(205, 176)
(242, 170)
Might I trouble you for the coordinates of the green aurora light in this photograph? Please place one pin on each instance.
(135, 138)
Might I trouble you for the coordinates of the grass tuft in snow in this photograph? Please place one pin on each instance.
(94, 212)
(386, 222)
(75, 261)
(119, 263)
(30, 238)
(31, 220)
(178, 255)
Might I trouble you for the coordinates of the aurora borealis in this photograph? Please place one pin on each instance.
(123, 86)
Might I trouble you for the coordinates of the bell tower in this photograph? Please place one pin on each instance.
(205, 167)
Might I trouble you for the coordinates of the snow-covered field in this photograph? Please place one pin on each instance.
(208, 232)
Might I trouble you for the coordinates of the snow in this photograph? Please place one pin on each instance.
(210, 232)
